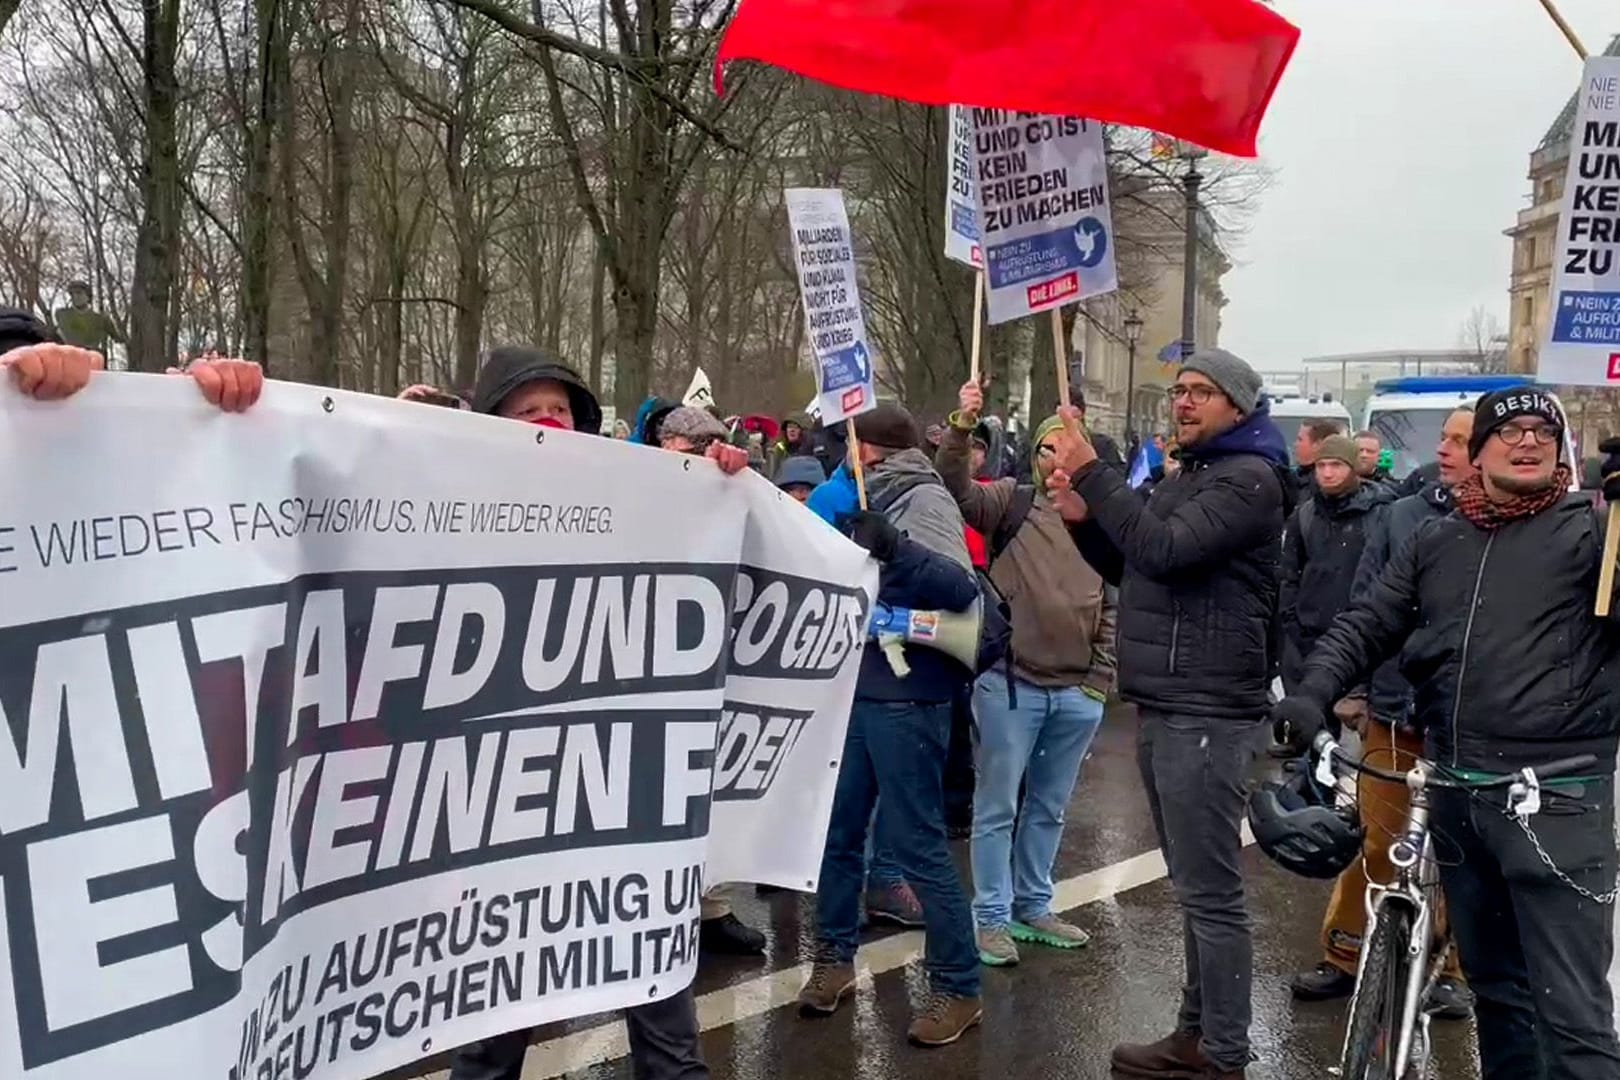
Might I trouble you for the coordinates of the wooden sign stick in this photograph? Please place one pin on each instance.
(978, 323)
(855, 461)
(1060, 351)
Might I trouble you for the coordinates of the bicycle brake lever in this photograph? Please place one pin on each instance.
(1524, 796)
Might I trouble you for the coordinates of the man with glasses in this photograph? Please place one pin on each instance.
(1510, 670)
(1197, 567)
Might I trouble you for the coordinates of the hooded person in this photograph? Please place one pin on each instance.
(1490, 609)
(795, 440)
(1196, 564)
(527, 385)
(648, 417)
(1037, 718)
(896, 742)
(800, 476)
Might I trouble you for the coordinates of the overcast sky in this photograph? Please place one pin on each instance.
(1400, 137)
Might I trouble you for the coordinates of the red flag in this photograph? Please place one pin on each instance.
(1201, 70)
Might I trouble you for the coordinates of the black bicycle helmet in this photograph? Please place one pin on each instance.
(1296, 824)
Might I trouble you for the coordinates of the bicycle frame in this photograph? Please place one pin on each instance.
(1412, 856)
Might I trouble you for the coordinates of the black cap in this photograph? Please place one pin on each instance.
(890, 426)
(1498, 407)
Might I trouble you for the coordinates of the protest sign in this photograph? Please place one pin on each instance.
(347, 731)
(699, 392)
(1044, 220)
(824, 252)
(1583, 332)
(961, 205)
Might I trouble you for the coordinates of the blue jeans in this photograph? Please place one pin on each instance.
(882, 870)
(896, 750)
(1040, 742)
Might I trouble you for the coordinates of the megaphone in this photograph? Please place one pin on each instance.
(952, 633)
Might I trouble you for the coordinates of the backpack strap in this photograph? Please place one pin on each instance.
(1018, 508)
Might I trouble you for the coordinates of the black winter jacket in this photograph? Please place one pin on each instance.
(1321, 549)
(1509, 665)
(1197, 567)
(1389, 694)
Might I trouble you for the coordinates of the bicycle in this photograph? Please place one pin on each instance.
(1387, 1037)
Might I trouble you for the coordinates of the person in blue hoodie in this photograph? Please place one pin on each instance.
(1197, 567)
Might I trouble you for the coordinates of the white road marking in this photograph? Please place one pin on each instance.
(758, 996)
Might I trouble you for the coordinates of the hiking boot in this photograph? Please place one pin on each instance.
(1049, 930)
(1175, 1057)
(1449, 1000)
(730, 936)
(895, 904)
(1324, 982)
(825, 990)
(996, 948)
(944, 1020)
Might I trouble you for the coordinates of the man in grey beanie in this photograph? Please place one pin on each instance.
(1196, 563)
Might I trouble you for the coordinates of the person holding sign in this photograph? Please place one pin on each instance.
(1037, 718)
(1512, 670)
(1197, 568)
(898, 736)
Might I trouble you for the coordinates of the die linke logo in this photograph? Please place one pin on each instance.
(1614, 367)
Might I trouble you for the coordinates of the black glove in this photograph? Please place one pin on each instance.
(874, 532)
(1610, 449)
(1296, 720)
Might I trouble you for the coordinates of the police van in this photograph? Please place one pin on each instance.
(1291, 412)
(1407, 413)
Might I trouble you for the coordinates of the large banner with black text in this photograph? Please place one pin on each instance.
(346, 731)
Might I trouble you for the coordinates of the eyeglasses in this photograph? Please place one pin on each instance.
(1198, 395)
(1513, 434)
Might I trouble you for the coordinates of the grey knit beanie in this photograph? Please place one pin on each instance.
(1237, 380)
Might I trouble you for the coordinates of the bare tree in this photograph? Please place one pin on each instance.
(1483, 337)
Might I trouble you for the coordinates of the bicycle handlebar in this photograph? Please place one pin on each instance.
(1325, 744)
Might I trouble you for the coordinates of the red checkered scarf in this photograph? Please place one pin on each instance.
(1483, 513)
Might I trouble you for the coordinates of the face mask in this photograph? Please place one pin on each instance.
(550, 422)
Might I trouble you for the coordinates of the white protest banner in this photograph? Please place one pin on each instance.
(347, 731)
(961, 205)
(699, 392)
(1583, 331)
(1044, 221)
(824, 252)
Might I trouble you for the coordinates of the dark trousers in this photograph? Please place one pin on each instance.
(1194, 770)
(663, 1046)
(896, 750)
(1535, 951)
(959, 775)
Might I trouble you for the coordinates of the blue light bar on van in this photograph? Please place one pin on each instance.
(1450, 384)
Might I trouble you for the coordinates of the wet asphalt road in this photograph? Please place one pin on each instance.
(1055, 1015)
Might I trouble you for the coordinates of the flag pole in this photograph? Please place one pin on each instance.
(855, 460)
(1060, 353)
(978, 323)
(1563, 25)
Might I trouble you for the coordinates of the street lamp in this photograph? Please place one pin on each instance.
(1133, 334)
(1189, 283)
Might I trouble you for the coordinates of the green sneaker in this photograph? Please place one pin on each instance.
(996, 948)
(1048, 930)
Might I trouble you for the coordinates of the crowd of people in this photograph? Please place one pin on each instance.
(1448, 614)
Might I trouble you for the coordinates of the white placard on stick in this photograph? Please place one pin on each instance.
(1044, 221)
(1583, 328)
(961, 205)
(824, 252)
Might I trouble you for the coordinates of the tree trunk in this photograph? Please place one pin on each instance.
(598, 317)
(257, 205)
(158, 238)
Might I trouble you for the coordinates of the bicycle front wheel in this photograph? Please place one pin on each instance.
(1375, 1010)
